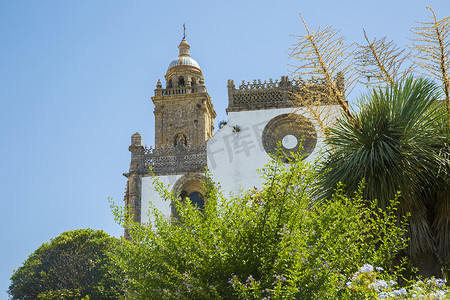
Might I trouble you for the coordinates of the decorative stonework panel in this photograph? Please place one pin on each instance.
(274, 93)
(175, 160)
(289, 130)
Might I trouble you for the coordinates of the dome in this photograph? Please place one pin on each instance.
(184, 61)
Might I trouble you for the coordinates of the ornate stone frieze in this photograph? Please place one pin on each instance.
(175, 159)
(270, 94)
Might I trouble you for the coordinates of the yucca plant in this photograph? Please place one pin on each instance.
(401, 144)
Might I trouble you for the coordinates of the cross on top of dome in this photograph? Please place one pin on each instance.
(184, 58)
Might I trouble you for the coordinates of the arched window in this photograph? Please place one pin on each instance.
(189, 187)
(197, 200)
(169, 84)
(193, 83)
(181, 81)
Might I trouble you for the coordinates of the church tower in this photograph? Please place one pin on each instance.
(184, 121)
(184, 115)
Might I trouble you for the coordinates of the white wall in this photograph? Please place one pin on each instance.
(148, 193)
(234, 157)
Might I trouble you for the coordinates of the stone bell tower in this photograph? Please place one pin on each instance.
(184, 121)
(184, 115)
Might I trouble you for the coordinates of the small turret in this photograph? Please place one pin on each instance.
(184, 48)
(136, 140)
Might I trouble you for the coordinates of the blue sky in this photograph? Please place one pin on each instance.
(76, 79)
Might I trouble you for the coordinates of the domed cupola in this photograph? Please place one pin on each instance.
(184, 59)
(183, 71)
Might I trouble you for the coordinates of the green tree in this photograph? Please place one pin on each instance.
(74, 265)
(323, 53)
(270, 243)
(401, 144)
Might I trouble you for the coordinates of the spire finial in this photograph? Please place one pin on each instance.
(184, 45)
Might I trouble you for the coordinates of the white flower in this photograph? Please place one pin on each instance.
(399, 292)
(379, 284)
(440, 282)
(383, 295)
(440, 293)
(418, 288)
(366, 269)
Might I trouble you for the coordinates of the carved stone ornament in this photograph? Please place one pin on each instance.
(290, 130)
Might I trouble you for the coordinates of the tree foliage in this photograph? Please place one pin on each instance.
(379, 62)
(378, 143)
(400, 145)
(432, 45)
(270, 243)
(323, 55)
(74, 265)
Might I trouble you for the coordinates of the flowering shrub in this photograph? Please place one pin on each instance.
(374, 284)
(273, 243)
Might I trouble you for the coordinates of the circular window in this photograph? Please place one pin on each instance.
(290, 130)
(289, 141)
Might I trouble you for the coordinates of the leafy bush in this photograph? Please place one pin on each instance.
(73, 265)
(273, 243)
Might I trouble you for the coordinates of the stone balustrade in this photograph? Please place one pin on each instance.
(180, 90)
